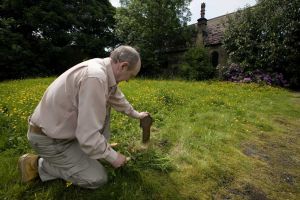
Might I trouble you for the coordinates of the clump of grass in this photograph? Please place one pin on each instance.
(150, 159)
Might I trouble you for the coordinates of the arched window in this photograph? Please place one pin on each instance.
(214, 58)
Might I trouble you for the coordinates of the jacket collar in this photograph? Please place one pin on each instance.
(111, 77)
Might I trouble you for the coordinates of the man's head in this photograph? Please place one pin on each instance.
(126, 63)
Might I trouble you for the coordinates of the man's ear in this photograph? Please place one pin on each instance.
(124, 66)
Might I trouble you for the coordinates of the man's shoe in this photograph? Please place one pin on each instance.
(28, 166)
(114, 144)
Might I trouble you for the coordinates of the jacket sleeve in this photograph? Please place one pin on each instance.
(91, 117)
(120, 104)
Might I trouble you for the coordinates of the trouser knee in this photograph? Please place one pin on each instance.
(94, 183)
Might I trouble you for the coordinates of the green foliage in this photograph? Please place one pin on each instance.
(47, 37)
(196, 64)
(152, 26)
(267, 37)
(209, 140)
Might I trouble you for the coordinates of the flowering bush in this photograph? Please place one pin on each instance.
(236, 73)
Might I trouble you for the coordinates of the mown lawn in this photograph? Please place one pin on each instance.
(210, 140)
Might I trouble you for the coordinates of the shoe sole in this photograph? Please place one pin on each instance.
(22, 168)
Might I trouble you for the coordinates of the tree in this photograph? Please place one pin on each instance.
(152, 26)
(266, 37)
(46, 37)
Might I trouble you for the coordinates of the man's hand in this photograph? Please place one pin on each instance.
(143, 114)
(121, 160)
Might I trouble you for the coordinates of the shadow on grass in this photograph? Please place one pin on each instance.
(139, 179)
(124, 184)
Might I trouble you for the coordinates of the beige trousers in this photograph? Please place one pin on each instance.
(64, 159)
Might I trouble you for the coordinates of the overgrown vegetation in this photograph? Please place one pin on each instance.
(266, 38)
(196, 65)
(210, 140)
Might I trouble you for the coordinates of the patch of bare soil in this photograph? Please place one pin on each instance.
(250, 192)
(243, 191)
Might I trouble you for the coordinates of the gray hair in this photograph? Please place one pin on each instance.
(125, 54)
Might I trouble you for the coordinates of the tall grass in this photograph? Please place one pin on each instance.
(209, 141)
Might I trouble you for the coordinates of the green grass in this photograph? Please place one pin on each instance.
(210, 140)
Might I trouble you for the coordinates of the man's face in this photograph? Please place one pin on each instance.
(123, 74)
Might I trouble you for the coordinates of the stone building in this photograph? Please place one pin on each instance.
(210, 34)
(207, 33)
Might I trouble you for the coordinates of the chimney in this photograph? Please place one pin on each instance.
(202, 13)
(202, 22)
(202, 25)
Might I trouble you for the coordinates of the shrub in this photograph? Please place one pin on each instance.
(236, 73)
(196, 64)
(266, 37)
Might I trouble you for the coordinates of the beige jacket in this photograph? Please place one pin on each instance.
(74, 106)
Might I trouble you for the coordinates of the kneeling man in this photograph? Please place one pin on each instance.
(69, 129)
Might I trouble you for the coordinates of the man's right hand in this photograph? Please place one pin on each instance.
(143, 114)
(121, 160)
